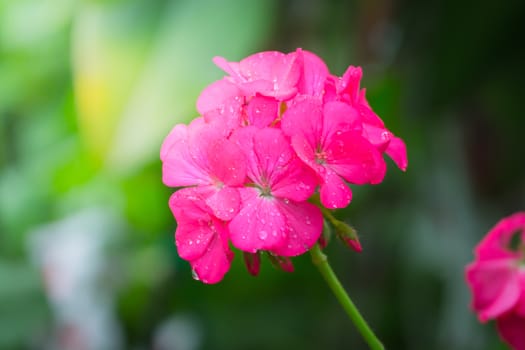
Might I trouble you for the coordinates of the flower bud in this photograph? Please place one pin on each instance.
(281, 262)
(348, 235)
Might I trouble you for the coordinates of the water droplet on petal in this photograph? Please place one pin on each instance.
(263, 234)
(195, 275)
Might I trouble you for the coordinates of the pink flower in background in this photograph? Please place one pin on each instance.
(277, 131)
(497, 279)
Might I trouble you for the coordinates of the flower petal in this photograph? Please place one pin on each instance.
(511, 328)
(262, 111)
(304, 224)
(495, 287)
(335, 193)
(397, 150)
(224, 202)
(215, 95)
(212, 266)
(314, 75)
(259, 225)
(354, 158)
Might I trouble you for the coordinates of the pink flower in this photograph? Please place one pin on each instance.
(277, 128)
(497, 279)
(200, 154)
(347, 89)
(274, 215)
(201, 238)
(328, 138)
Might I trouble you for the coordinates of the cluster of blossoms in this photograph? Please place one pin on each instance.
(276, 131)
(497, 279)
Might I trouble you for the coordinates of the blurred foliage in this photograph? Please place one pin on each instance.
(88, 90)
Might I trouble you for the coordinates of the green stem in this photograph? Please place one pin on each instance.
(321, 261)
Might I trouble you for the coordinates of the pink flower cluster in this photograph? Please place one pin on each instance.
(277, 129)
(497, 279)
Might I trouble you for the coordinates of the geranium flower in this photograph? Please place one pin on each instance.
(328, 138)
(497, 279)
(274, 215)
(347, 89)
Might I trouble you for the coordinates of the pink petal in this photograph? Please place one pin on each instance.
(304, 224)
(339, 116)
(380, 138)
(282, 70)
(315, 72)
(496, 243)
(296, 182)
(511, 328)
(350, 82)
(193, 233)
(232, 68)
(177, 134)
(520, 306)
(305, 118)
(365, 111)
(495, 287)
(226, 161)
(335, 193)
(354, 158)
(259, 225)
(203, 157)
(224, 203)
(215, 95)
(200, 237)
(184, 163)
(211, 267)
(262, 111)
(397, 150)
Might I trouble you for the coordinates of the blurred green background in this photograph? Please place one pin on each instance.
(89, 89)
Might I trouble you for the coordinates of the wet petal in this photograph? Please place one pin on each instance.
(397, 150)
(304, 224)
(355, 159)
(335, 193)
(224, 202)
(259, 225)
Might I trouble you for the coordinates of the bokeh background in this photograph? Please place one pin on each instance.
(89, 89)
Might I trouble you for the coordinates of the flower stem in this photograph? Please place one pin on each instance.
(320, 260)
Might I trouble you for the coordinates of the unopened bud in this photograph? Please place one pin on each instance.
(281, 262)
(348, 235)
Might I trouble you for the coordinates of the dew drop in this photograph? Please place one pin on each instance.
(195, 275)
(263, 234)
(190, 242)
